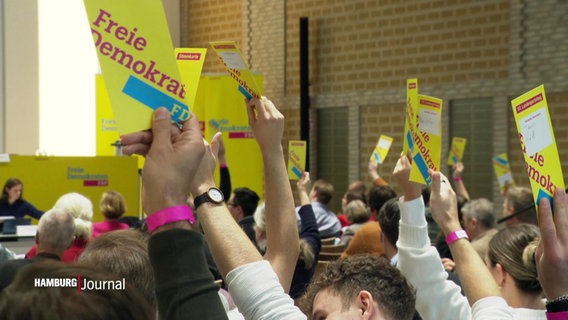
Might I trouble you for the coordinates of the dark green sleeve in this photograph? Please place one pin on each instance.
(184, 285)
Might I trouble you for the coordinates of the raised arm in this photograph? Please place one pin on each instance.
(418, 261)
(283, 246)
(552, 254)
(458, 181)
(303, 186)
(479, 286)
(224, 175)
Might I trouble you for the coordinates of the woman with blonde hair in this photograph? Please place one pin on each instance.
(112, 206)
(81, 208)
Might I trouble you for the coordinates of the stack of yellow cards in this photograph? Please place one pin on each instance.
(423, 132)
(456, 150)
(538, 143)
(296, 159)
(381, 149)
(136, 55)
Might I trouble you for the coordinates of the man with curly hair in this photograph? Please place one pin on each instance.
(365, 286)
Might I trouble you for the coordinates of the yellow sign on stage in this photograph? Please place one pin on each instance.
(237, 68)
(426, 139)
(503, 171)
(136, 55)
(296, 159)
(381, 149)
(538, 143)
(456, 150)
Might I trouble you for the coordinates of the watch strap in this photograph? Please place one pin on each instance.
(169, 215)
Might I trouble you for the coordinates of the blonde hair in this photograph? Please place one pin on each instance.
(112, 205)
(81, 208)
(357, 212)
(513, 248)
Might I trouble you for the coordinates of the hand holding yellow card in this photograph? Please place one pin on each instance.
(538, 143)
(503, 171)
(296, 159)
(411, 114)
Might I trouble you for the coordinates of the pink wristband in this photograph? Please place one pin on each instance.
(169, 215)
(457, 179)
(456, 235)
(557, 315)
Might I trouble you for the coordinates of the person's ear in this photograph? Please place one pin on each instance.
(501, 275)
(474, 222)
(365, 304)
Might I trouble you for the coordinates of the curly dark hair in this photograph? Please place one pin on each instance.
(347, 277)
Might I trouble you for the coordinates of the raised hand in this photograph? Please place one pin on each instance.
(443, 203)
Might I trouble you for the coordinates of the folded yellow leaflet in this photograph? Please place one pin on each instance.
(538, 143)
(503, 171)
(426, 139)
(456, 150)
(381, 149)
(233, 60)
(135, 52)
(296, 159)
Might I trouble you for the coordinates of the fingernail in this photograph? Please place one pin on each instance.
(161, 113)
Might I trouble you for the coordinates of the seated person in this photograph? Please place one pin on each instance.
(242, 204)
(357, 214)
(81, 208)
(55, 233)
(320, 196)
(12, 202)
(112, 207)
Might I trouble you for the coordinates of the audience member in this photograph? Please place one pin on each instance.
(368, 238)
(349, 196)
(81, 208)
(457, 171)
(123, 253)
(357, 215)
(320, 196)
(54, 234)
(479, 222)
(112, 206)
(242, 204)
(518, 207)
(12, 202)
(24, 299)
(360, 287)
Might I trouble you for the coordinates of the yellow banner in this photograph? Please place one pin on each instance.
(426, 139)
(296, 159)
(411, 113)
(538, 143)
(135, 52)
(456, 150)
(237, 68)
(381, 149)
(503, 171)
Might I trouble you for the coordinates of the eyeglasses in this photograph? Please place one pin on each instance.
(516, 213)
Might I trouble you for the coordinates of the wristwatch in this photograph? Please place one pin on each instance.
(212, 195)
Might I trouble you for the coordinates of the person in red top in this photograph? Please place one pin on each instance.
(81, 208)
(112, 206)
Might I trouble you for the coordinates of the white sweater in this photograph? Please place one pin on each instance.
(436, 297)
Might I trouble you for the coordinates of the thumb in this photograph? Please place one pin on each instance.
(216, 143)
(435, 185)
(161, 126)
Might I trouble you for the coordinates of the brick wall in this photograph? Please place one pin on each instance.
(362, 52)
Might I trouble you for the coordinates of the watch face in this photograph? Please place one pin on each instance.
(215, 195)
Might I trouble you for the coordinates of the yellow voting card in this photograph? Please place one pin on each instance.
(190, 62)
(296, 158)
(137, 60)
(538, 143)
(456, 150)
(381, 149)
(426, 139)
(411, 113)
(503, 171)
(233, 60)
